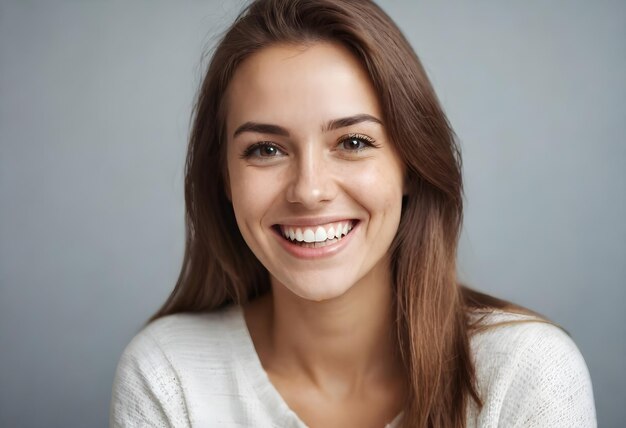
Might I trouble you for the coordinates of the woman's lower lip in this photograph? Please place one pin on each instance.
(314, 253)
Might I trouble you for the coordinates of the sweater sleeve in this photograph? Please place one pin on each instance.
(551, 386)
(146, 388)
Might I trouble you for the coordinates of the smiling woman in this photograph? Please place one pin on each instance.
(324, 203)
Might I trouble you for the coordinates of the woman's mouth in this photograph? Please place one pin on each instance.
(316, 236)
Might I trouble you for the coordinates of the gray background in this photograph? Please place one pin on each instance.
(95, 100)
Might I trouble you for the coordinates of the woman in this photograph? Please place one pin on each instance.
(324, 203)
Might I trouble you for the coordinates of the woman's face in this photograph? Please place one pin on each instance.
(315, 183)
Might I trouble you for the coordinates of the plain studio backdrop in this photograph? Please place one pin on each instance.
(95, 99)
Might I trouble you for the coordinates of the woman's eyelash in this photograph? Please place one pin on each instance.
(362, 142)
(249, 152)
(358, 138)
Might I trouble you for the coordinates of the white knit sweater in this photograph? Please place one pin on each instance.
(201, 370)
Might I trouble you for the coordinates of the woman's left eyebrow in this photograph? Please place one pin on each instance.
(349, 121)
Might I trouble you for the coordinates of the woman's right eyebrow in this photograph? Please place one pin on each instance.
(261, 128)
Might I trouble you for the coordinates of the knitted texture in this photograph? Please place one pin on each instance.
(201, 370)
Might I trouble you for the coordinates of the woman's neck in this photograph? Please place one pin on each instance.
(342, 344)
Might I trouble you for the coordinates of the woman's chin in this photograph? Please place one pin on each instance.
(320, 291)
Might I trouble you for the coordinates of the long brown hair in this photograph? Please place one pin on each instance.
(219, 269)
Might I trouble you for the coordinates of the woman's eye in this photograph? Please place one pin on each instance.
(355, 143)
(263, 150)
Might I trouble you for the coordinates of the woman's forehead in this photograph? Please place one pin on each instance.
(303, 85)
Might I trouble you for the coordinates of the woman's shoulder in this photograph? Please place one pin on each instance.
(185, 333)
(503, 333)
(531, 371)
(160, 365)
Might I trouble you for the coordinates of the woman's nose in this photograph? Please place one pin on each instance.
(311, 182)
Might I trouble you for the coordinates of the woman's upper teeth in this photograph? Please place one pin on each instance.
(319, 233)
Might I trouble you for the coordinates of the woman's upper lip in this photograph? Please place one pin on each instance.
(314, 221)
